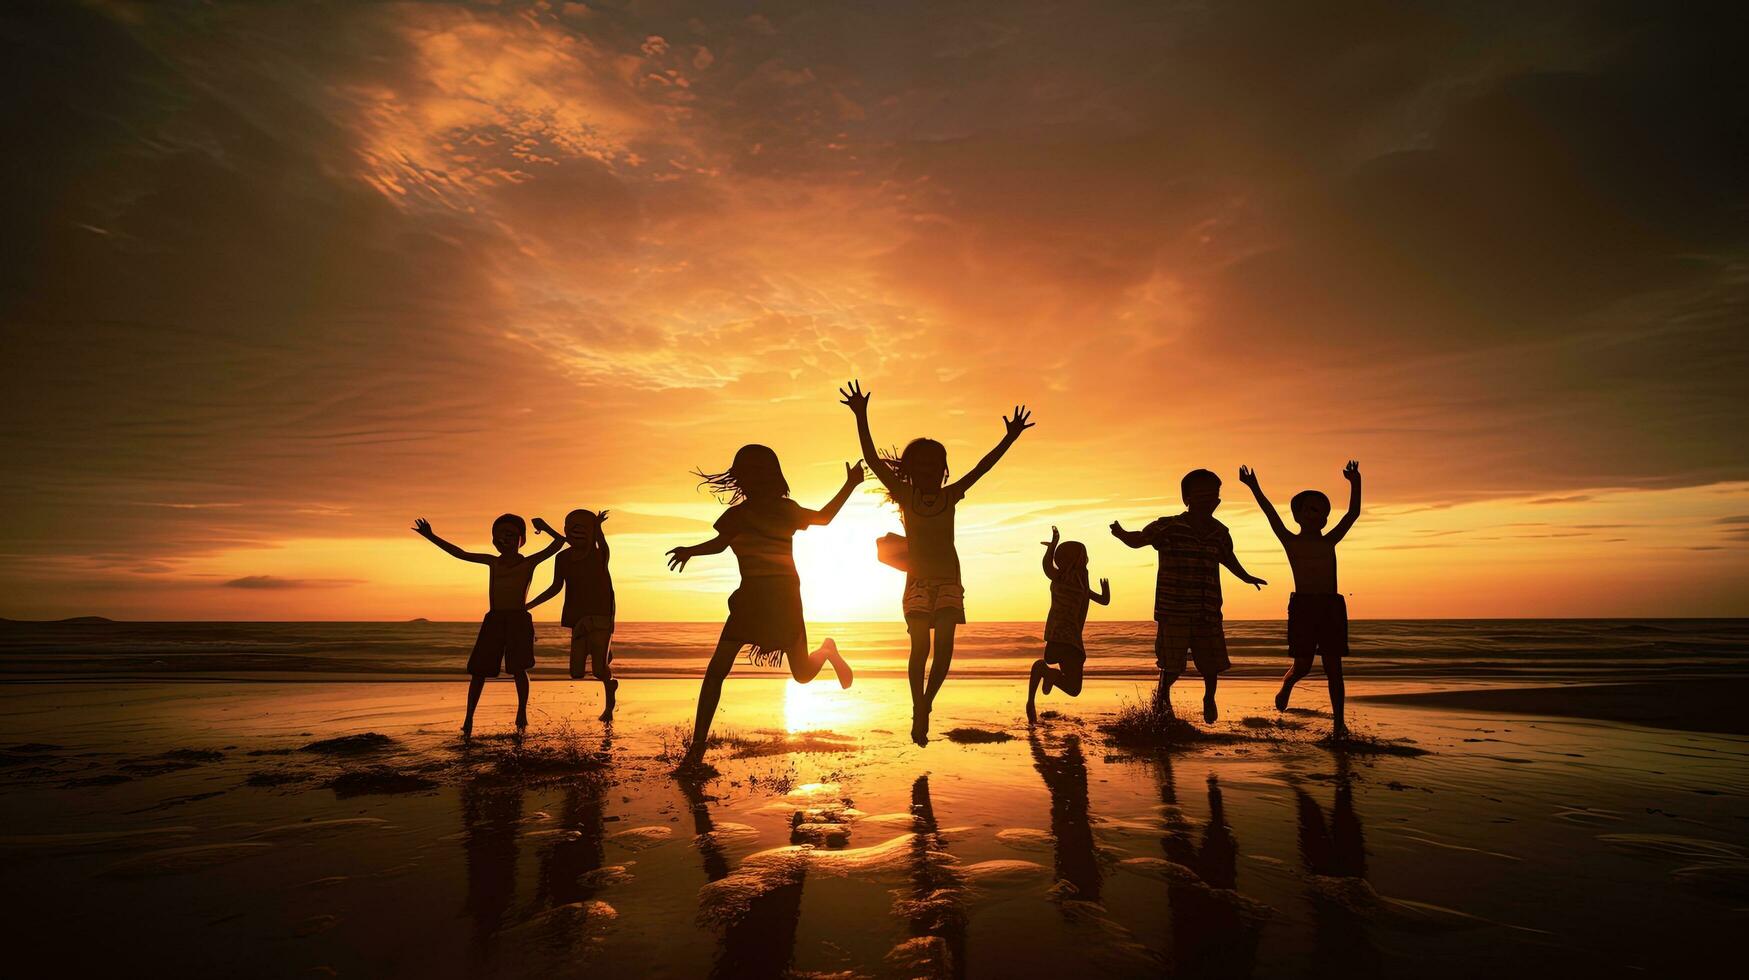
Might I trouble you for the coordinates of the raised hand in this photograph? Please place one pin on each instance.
(1351, 472)
(855, 397)
(854, 473)
(1256, 583)
(542, 527)
(1018, 423)
(422, 526)
(677, 558)
(1248, 476)
(1105, 587)
(601, 517)
(1116, 527)
(1052, 543)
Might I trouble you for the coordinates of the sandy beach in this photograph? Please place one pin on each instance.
(292, 829)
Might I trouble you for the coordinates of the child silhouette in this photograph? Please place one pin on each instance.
(1317, 615)
(766, 611)
(506, 639)
(1065, 565)
(934, 597)
(581, 571)
(1187, 594)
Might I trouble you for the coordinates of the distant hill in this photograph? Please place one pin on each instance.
(418, 619)
(86, 619)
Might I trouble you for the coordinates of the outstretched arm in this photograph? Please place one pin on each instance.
(552, 548)
(423, 528)
(1015, 426)
(1103, 596)
(857, 399)
(1232, 562)
(1248, 476)
(601, 537)
(678, 557)
(551, 590)
(853, 475)
(1135, 539)
(1051, 554)
(1352, 473)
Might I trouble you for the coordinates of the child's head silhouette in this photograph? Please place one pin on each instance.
(1311, 508)
(755, 474)
(509, 532)
(923, 464)
(1201, 491)
(1071, 556)
(580, 525)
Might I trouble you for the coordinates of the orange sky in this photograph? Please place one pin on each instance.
(297, 277)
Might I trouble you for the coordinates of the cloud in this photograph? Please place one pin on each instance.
(1577, 498)
(276, 582)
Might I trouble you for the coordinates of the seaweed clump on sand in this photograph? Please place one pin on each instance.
(1372, 745)
(1142, 726)
(378, 780)
(360, 744)
(976, 736)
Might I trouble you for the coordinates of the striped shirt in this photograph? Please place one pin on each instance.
(1189, 585)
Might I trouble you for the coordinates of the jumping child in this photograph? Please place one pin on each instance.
(506, 640)
(935, 600)
(766, 611)
(1187, 594)
(1065, 655)
(1317, 615)
(581, 571)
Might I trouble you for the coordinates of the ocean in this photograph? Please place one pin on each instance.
(1563, 650)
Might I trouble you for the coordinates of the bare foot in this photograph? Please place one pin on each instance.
(840, 666)
(1031, 711)
(1209, 714)
(521, 722)
(1281, 700)
(920, 727)
(1339, 731)
(612, 688)
(468, 729)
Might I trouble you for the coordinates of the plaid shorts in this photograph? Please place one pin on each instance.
(1204, 640)
(936, 600)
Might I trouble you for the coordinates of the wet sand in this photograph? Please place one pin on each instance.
(1711, 705)
(344, 828)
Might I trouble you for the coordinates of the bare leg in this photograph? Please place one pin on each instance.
(1288, 680)
(943, 660)
(1333, 672)
(521, 678)
(709, 693)
(1038, 673)
(919, 660)
(805, 667)
(475, 685)
(1209, 711)
(1163, 693)
(598, 658)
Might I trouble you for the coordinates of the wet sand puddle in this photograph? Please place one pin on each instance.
(1435, 842)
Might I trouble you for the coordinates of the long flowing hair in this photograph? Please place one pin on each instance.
(754, 466)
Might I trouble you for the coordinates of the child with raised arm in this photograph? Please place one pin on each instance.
(1065, 655)
(581, 571)
(766, 611)
(1317, 615)
(1187, 594)
(506, 640)
(935, 600)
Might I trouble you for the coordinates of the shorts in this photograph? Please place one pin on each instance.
(1316, 624)
(506, 642)
(765, 613)
(1069, 661)
(589, 646)
(936, 601)
(1205, 640)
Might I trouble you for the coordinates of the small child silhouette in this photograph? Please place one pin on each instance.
(506, 640)
(1065, 565)
(935, 599)
(1187, 594)
(581, 571)
(1317, 615)
(766, 611)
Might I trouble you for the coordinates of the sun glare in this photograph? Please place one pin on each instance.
(841, 580)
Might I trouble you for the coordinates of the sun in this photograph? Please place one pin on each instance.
(841, 580)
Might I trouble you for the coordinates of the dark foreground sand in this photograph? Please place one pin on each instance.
(1713, 705)
(319, 829)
